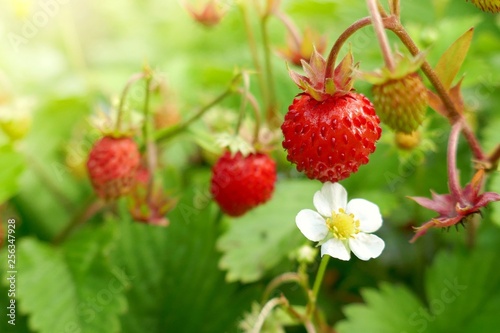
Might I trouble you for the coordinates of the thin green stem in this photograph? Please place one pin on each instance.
(378, 25)
(150, 144)
(170, 132)
(254, 53)
(146, 126)
(334, 52)
(271, 107)
(123, 97)
(319, 276)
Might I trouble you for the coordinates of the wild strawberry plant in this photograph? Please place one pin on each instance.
(209, 190)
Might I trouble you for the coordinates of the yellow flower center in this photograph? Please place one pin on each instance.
(342, 225)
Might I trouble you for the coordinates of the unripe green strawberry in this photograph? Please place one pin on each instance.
(487, 5)
(401, 103)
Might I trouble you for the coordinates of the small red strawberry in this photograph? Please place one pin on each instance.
(112, 165)
(329, 130)
(241, 183)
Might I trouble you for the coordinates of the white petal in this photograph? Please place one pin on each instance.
(336, 248)
(366, 246)
(368, 214)
(330, 199)
(311, 224)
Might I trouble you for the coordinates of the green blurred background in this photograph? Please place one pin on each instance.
(62, 60)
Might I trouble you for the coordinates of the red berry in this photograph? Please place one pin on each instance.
(331, 138)
(241, 183)
(112, 166)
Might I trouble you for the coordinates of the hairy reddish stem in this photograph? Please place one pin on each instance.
(453, 181)
(378, 26)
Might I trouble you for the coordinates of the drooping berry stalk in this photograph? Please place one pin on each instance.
(392, 23)
(453, 181)
(123, 97)
(334, 52)
(169, 132)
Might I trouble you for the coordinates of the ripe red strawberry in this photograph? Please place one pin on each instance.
(241, 183)
(329, 131)
(112, 166)
(330, 139)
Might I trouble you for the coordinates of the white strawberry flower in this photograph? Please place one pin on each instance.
(340, 226)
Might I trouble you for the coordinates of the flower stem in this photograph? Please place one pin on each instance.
(131, 80)
(169, 132)
(378, 25)
(453, 182)
(332, 56)
(317, 284)
(266, 311)
(319, 276)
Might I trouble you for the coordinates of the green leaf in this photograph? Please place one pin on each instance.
(12, 167)
(462, 295)
(258, 241)
(450, 62)
(462, 291)
(176, 284)
(391, 309)
(71, 288)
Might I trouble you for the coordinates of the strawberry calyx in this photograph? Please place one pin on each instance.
(404, 66)
(317, 83)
